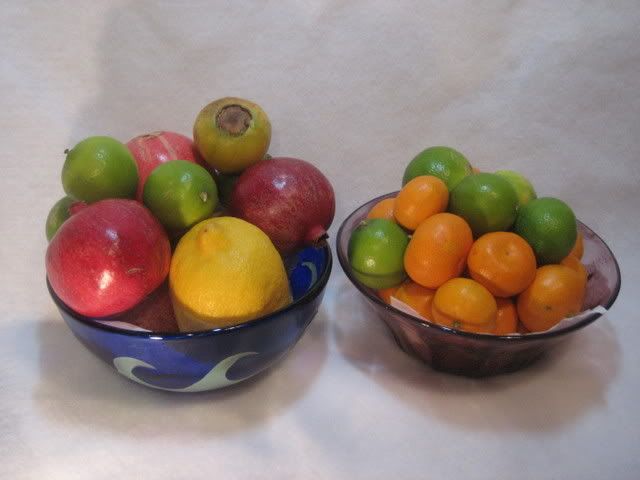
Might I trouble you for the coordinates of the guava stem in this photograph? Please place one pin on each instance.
(234, 119)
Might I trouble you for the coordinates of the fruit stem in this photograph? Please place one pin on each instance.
(234, 119)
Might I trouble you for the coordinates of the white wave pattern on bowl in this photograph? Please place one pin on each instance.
(216, 378)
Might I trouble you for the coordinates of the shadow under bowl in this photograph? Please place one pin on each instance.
(211, 359)
(479, 355)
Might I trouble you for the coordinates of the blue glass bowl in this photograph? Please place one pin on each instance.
(211, 359)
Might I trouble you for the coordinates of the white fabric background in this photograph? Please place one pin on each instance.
(551, 89)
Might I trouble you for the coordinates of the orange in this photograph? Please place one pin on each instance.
(506, 318)
(438, 250)
(522, 329)
(466, 305)
(557, 292)
(576, 265)
(420, 198)
(382, 209)
(386, 293)
(503, 262)
(578, 248)
(417, 297)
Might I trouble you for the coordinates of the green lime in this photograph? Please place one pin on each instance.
(447, 164)
(99, 168)
(180, 194)
(486, 201)
(549, 226)
(58, 214)
(522, 186)
(376, 253)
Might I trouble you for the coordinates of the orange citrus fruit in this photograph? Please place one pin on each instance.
(420, 198)
(438, 250)
(578, 248)
(382, 209)
(417, 297)
(556, 292)
(464, 304)
(503, 262)
(576, 265)
(385, 294)
(521, 328)
(506, 318)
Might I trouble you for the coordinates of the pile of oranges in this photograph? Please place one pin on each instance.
(493, 280)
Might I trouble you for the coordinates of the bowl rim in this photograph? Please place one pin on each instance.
(513, 337)
(96, 323)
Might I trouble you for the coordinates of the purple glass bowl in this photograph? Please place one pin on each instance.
(478, 355)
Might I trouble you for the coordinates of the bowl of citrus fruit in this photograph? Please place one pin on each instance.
(472, 272)
(190, 265)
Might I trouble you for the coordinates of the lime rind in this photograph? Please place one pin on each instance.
(446, 163)
(550, 227)
(486, 201)
(180, 194)
(58, 214)
(522, 186)
(377, 247)
(97, 168)
(379, 282)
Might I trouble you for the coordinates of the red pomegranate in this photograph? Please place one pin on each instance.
(154, 313)
(287, 198)
(152, 149)
(107, 257)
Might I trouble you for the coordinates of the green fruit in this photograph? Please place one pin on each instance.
(447, 164)
(376, 253)
(99, 168)
(549, 226)
(486, 201)
(180, 194)
(522, 186)
(58, 214)
(232, 134)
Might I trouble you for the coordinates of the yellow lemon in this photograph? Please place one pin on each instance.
(226, 271)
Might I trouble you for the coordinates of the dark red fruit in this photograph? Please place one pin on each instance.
(154, 313)
(287, 198)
